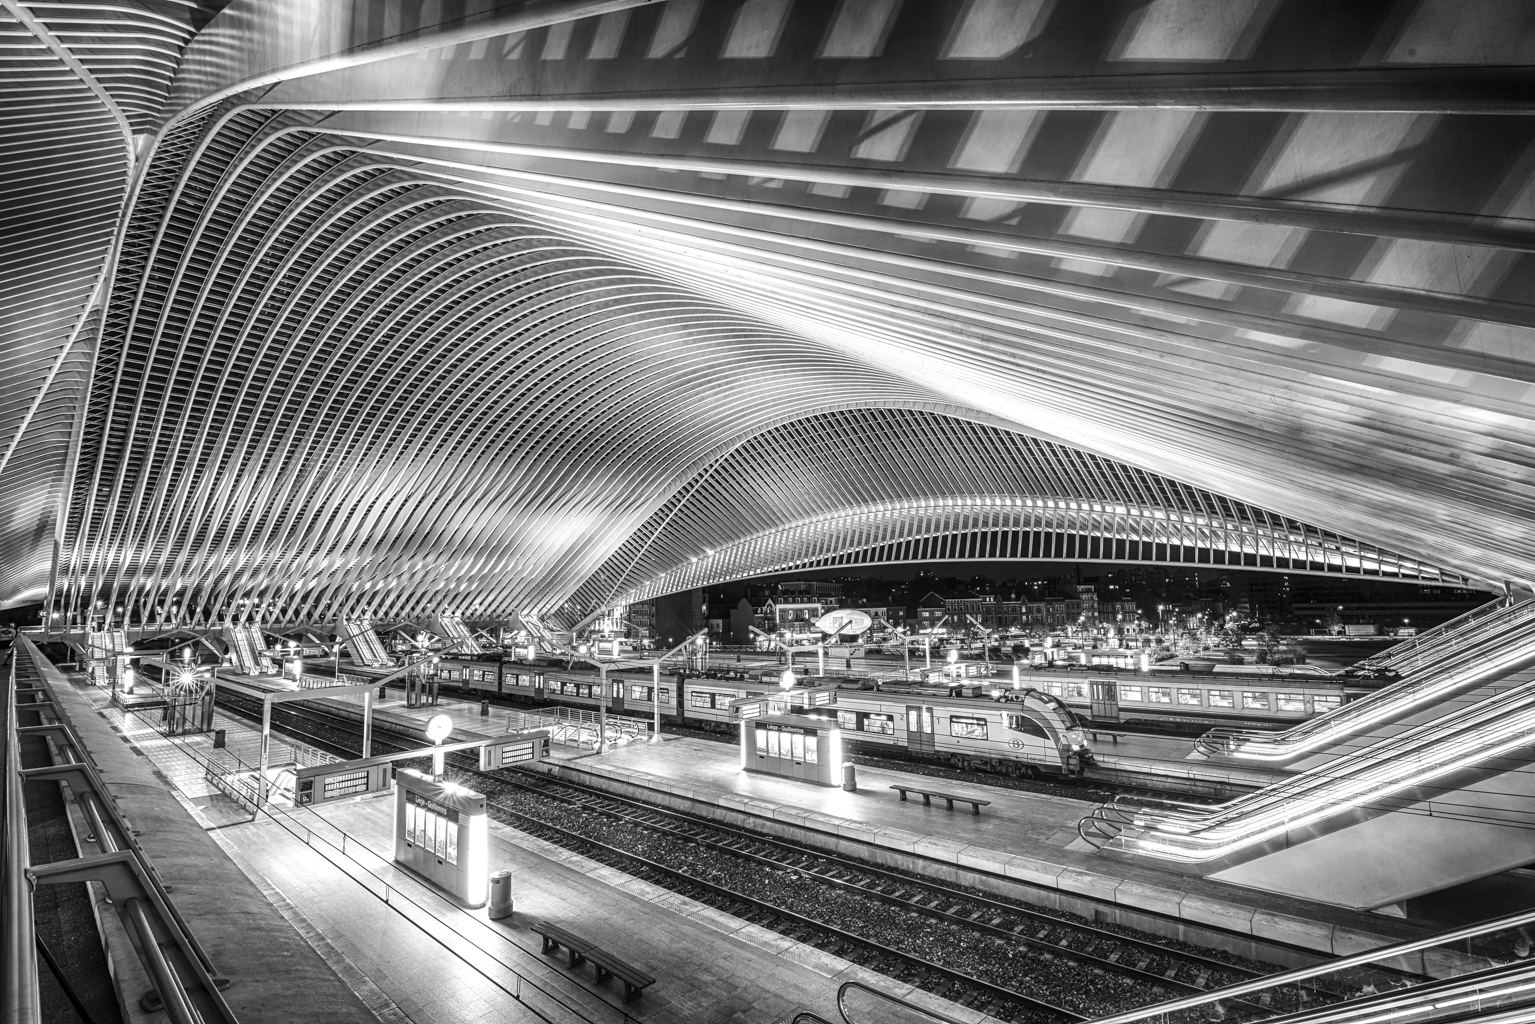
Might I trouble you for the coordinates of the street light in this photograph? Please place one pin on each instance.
(787, 679)
(438, 728)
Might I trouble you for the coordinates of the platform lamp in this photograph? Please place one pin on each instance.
(438, 728)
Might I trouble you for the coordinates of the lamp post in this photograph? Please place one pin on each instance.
(438, 728)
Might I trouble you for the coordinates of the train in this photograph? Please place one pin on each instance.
(1182, 701)
(1022, 732)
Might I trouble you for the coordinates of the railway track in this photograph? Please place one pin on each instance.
(1015, 961)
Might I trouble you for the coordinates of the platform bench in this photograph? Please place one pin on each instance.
(633, 978)
(928, 794)
(554, 937)
(582, 951)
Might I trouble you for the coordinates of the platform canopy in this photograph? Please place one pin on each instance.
(314, 309)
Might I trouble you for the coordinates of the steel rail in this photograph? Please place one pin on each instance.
(684, 877)
(321, 717)
(996, 991)
(993, 906)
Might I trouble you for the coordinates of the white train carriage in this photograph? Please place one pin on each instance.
(1186, 699)
(1027, 732)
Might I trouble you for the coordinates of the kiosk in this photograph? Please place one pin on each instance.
(441, 833)
(794, 746)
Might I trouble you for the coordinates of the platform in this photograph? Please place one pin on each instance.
(418, 958)
(1020, 836)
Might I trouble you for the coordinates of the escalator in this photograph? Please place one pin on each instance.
(1457, 791)
(1480, 650)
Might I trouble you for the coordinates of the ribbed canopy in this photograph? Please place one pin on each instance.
(524, 307)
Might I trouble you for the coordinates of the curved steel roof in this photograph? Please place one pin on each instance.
(483, 313)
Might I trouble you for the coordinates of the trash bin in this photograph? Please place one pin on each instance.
(484, 709)
(500, 895)
(218, 739)
(849, 777)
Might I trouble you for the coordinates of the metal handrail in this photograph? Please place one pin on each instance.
(1341, 721)
(388, 892)
(21, 999)
(1325, 967)
(848, 986)
(1473, 735)
(142, 900)
(1397, 651)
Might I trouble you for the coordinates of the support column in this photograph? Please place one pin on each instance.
(602, 709)
(367, 722)
(655, 700)
(266, 749)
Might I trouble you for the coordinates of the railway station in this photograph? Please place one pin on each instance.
(767, 511)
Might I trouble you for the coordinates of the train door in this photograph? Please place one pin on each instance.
(919, 727)
(500, 678)
(538, 685)
(618, 693)
(1105, 705)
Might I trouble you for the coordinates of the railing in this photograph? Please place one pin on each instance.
(348, 854)
(185, 981)
(1495, 645)
(579, 728)
(1489, 729)
(1415, 644)
(856, 1002)
(21, 1003)
(1478, 967)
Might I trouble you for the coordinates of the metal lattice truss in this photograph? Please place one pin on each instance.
(421, 307)
(883, 486)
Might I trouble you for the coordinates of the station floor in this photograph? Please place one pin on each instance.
(412, 956)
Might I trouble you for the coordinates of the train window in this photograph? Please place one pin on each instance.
(637, 692)
(1025, 724)
(1160, 694)
(1059, 689)
(702, 700)
(967, 728)
(882, 724)
(847, 719)
(1132, 693)
(666, 695)
(1222, 698)
(1291, 701)
(1255, 700)
(762, 742)
(1077, 690)
(1186, 696)
(1326, 702)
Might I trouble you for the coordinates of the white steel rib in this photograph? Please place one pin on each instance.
(392, 309)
